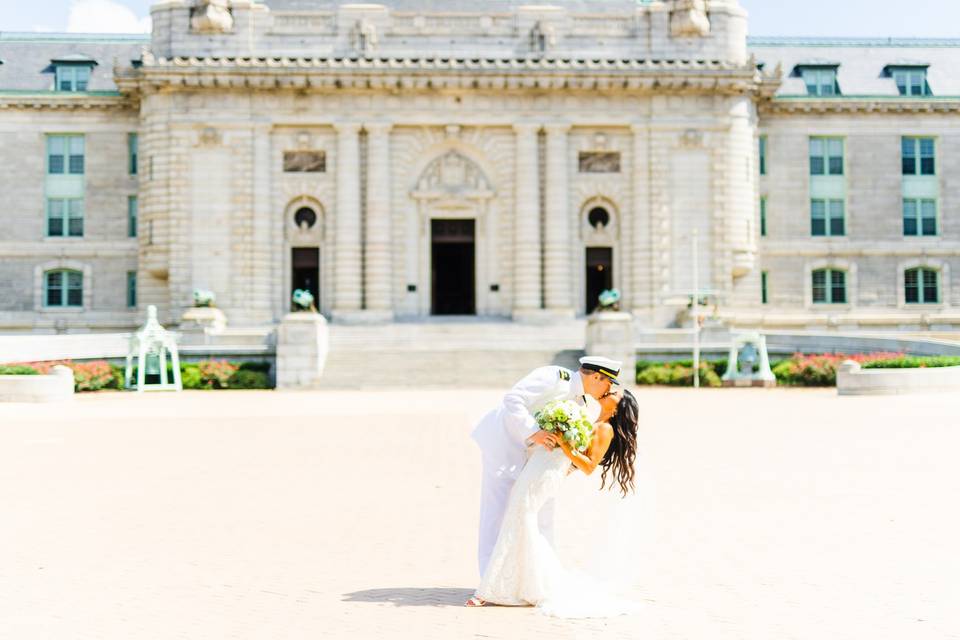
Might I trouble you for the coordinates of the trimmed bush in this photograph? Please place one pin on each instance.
(246, 379)
(18, 370)
(914, 362)
(677, 374)
(820, 370)
(216, 373)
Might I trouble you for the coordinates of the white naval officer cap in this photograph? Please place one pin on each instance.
(606, 366)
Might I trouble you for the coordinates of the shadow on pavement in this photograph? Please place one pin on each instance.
(412, 596)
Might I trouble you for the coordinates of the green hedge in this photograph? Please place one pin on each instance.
(206, 374)
(914, 362)
(800, 370)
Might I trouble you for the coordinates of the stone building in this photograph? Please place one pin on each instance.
(504, 159)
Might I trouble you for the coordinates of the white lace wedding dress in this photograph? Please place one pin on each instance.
(524, 568)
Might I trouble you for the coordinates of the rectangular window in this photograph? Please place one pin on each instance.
(132, 216)
(919, 217)
(763, 287)
(820, 81)
(763, 155)
(131, 288)
(132, 144)
(65, 217)
(921, 286)
(826, 156)
(65, 154)
(63, 289)
(826, 217)
(918, 156)
(72, 77)
(829, 286)
(763, 216)
(911, 82)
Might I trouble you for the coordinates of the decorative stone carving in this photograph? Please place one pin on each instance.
(688, 19)
(304, 161)
(691, 139)
(209, 137)
(211, 16)
(364, 37)
(599, 162)
(543, 37)
(452, 174)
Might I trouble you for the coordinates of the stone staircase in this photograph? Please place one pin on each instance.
(464, 353)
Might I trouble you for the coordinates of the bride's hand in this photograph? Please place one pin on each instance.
(544, 438)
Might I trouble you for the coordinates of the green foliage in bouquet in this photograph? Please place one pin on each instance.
(567, 418)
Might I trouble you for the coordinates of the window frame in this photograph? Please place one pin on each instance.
(70, 73)
(829, 285)
(65, 288)
(763, 216)
(66, 216)
(824, 76)
(131, 289)
(828, 218)
(919, 218)
(764, 287)
(917, 155)
(763, 155)
(910, 74)
(133, 214)
(826, 156)
(133, 150)
(67, 155)
(921, 285)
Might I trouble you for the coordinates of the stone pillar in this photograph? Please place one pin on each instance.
(377, 240)
(302, 345)
(526, 229)
(347, 292)
(557, 254)
(610, 334)
(642, 294)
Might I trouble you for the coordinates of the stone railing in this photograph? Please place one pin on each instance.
(853, 380)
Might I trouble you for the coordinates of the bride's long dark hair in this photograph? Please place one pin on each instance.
(622, 453)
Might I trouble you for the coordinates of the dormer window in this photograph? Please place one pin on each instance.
(72, 73)
(910, 80)
(821, 80)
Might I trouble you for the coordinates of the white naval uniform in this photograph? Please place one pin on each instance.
(502, 435)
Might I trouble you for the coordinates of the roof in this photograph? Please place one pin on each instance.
(862, 62)
(28, 57)
(465, 6)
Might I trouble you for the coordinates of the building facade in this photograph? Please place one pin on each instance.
(503, 159)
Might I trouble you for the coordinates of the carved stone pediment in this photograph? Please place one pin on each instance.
(363, 36)
(688, 19)
(211, 16)
(452, 174)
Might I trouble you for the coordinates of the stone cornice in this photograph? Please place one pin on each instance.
(683, 76)
(859, 104)
(65, 101)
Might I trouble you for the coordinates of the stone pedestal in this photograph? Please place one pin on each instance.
(303, 341)
(204, 320)
(610, 334)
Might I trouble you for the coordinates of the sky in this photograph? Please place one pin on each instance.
(856, 18)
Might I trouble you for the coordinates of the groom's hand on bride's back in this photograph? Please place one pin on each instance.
(544, 438)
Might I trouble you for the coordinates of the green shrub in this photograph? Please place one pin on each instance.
(93, 376)
(678, 374)
(190, 377)
(245, 379)
(914, 362)
(262, 367)
(18, 370)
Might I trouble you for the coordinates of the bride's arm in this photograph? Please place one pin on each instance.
(599, 444)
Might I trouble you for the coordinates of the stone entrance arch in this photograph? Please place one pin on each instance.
(456, 235)
(306, 258)
(599, 224)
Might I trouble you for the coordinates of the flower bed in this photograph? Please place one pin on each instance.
(206, 374)
(800, 370)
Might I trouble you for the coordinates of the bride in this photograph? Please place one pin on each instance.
(524, 568)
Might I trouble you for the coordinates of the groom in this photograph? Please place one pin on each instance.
(504, 433)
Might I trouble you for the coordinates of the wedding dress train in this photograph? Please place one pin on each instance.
(524, 568)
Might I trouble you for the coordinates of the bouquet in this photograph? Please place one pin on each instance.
(569, 420)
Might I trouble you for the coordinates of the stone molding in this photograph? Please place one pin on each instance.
(894, 105)
(63, 102)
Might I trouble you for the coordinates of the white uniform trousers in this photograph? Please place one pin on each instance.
(494, 494)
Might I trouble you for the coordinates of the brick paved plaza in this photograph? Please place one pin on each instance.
(266, 515)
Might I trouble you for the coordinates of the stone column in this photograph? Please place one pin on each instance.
(557, 254)
(347, 293)
(526, 229)
(643, 282)
(378, 271)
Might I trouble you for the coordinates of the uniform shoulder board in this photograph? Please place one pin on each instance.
(564, 374)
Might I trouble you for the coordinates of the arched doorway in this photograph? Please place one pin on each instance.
(452, 196)
(305, 253)
(599, 234)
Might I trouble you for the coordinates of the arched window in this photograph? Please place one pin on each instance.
(598, 217)
(921, 286)
(829, 286)
(305, 218)
(63, 288)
